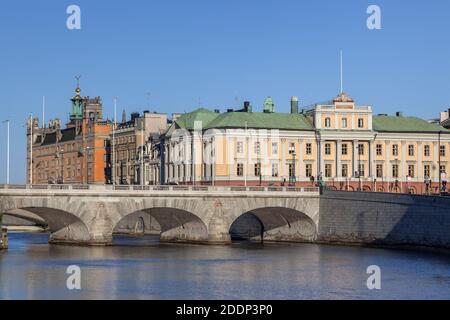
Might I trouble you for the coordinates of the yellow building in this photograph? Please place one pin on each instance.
(339, 142)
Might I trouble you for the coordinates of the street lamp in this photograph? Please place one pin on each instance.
(7, 151)
(87, 164)
(439, 169)
(360, 150)
(61, 154)
(293, 168)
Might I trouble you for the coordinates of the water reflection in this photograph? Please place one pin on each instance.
(142, 268)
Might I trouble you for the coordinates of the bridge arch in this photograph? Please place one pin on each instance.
(276, 220)
(64, 226)
(177, 220)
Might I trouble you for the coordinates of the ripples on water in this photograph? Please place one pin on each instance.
(142, 268)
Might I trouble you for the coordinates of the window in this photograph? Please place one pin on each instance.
(344, 122)
(274, 148)
(411, 150)
(443, 169)
(240, 147)
(344, 149)
(240, 170)
(327, 122)
(395, 170)
(360, 123)
(379, 150)
(274, 170)
(257, 169)
(426, 150)
(379, 171)
(308, 170)
(395, 150)
(411, 171)
(426, 171)
(361, 170)
(442, 151)
(327, 149)
(344, 170)
(291, 148)
(257, 147)
(328, 171)
(361, 149)
(308, 148)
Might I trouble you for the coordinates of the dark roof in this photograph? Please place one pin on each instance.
(68, 134)
(50, 138)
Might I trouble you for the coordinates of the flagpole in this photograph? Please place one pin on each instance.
(43, 112)
(31, 149)
(342, 74)
(113, 166)
(7, 151)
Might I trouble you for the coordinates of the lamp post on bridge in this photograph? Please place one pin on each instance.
(293, 179)
(60, 156)
(7, 151)
(87, 164)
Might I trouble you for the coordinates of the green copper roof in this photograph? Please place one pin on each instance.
(187, 121)
(260, 120)
(404, 124)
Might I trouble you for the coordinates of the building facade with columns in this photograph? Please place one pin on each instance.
(339, 142)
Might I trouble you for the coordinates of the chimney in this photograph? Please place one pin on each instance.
(176, 116)
(134, 116)
(247, 106)
(294, 105)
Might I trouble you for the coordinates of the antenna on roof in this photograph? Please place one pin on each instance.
(342, 73)
(43, 112)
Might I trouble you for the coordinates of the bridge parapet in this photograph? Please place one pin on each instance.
(191, 188)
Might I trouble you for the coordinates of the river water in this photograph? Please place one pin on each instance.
(143, 268)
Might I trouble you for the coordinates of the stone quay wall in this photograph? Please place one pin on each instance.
(384, 219)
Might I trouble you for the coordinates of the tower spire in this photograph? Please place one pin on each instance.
(78, 80)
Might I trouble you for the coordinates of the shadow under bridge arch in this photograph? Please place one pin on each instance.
(64, 227)
(173, 225)
(274, 224)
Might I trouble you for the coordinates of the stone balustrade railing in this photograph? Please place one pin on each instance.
(160, 188)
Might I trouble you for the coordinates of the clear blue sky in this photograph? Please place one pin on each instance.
(181, 51)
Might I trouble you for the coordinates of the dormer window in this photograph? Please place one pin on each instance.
(327, 122)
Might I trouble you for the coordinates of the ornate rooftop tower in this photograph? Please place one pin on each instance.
(77, 103)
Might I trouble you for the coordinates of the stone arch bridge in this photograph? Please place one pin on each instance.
(88, 215)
